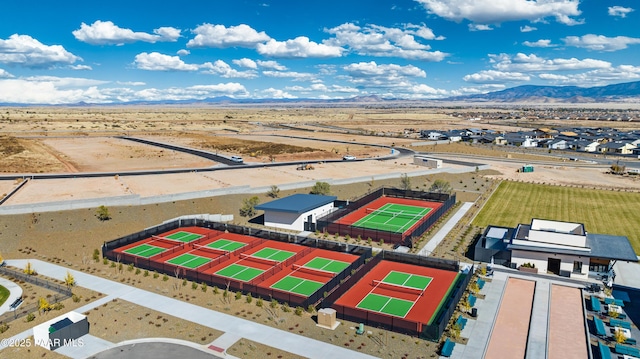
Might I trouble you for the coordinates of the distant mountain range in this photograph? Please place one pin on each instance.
(624, 92)
(569, 94)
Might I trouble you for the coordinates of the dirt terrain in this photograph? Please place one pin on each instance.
(57, 140)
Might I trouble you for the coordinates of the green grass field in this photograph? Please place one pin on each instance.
(604, 212)
(4, 294)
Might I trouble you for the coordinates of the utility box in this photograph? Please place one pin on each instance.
(327, 318)
(527, 168)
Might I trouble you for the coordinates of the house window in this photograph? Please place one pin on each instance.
(577, 267)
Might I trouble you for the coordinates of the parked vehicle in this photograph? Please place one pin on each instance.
(237, 159)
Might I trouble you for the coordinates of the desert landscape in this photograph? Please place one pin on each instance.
(74, 142)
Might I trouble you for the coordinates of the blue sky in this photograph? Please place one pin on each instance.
(66, 52)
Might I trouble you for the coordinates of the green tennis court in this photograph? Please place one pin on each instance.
(273, 254)
(297, 285)
(386, 305)
(239, 272)
(226, 245)
(189, 260)
(407, 280)
(183, 236)
(329, 265)
(145, 250)
(392, 217)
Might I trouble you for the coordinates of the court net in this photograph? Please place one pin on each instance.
(314, 271)
(166, 240)
(380, 212)
(261, 260)
(216, 251)
(398, 287)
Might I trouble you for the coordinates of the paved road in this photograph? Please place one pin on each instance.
(238, 327)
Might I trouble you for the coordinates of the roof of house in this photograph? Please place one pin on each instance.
(297, 203)
(611, 247)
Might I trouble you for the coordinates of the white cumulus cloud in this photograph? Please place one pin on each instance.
(26, 51)
(381, 41)
(493, 77)
(156, 61)
(80, 67)
(527, 28)
(533, 63)
(5, 75)
(220, 36)
(273, 65)
(619, 11)
(108, 33)
(600, 42)
(183, 52)
(275, 93)
(300, 47)
(223, 69)
(370, 69)
(479, 27)
(299, 76)
(498, 11)
(539, 43)
(245, 62)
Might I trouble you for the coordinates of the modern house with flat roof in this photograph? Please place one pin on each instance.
(297, 212)
(561, 248)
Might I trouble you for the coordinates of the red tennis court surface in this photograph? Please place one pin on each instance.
(567, 337)
(425, 304)
(169, 244)
(361, 212)
(268, 266)
(511, 328)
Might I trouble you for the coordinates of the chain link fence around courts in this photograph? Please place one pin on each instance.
(431, 331)
(62, 293)
(330, 224)
(197, 276)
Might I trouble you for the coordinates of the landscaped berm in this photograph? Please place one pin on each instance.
(388, 214)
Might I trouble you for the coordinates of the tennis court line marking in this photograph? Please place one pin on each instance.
(421, 214)
(229, 242)
(290, 290)
(146, 250)
(385, 304)
(183, 264)
(193, 259)
(417, 216)
(323, 267)
(235, 275)
(273, 254)
(406, 280)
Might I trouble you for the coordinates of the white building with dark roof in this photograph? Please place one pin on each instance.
(561, 248)
(297, 212)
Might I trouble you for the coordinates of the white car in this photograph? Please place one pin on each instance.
(236, 159)
(349, 158)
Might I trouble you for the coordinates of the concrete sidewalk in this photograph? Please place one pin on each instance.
(446, 228)
(15, 292)
(233, 326)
